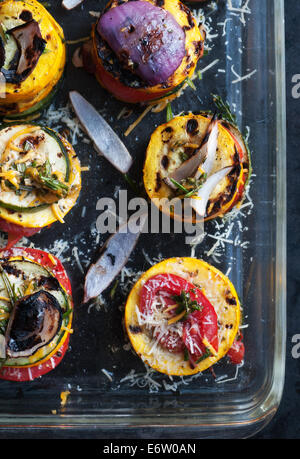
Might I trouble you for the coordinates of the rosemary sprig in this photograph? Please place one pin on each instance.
(191, 84)
(179, 186)
(9, 288)
(189, 193)
(224, 109)
(170, 115)
(185, 303)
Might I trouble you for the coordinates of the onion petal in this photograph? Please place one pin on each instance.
(105, 140)
(114, 256)
(199, 203)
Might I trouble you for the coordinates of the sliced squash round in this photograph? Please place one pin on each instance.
(34, 55)
(217, 289)
(125, 84)
(178, 142)
(40, 176)
(30, 279)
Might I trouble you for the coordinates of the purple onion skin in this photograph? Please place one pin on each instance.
(146, 38)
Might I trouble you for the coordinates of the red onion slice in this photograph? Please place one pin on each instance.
(199, 203)
(146, 38)
(209, 150)
(114, 256)
(103, 136)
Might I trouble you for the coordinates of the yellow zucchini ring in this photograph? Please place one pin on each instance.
(32, 58)
(182, 316)
(40, 178)
(144, 51)
(198, 158)
(36, 313)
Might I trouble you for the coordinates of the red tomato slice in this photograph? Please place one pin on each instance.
(16, 232)
(122, 92)
(198, 326)
(54, 265)
(237, 351)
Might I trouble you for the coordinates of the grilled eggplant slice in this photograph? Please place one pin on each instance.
(140, 59)
(34, 56)
(156, 338)
(185, 153)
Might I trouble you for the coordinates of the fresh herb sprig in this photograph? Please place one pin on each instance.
(185, 303)
(13, 297)
(190, 192)
(224, 109)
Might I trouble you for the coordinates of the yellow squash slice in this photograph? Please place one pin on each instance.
(26, 152)
(177, 140)
(22, 97)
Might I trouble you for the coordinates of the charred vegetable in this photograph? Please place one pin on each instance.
(144, 51)
(200, 157)
(36, 313)
(32, 57)
(34, 322)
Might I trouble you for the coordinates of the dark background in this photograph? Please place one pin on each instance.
(285, 424)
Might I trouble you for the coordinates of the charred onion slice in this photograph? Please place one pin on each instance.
(217, 290)
(126, 71)
(34, 322)
(39, 320)
(145, 38)
(173, 143)
(31, 45)
(35, 54)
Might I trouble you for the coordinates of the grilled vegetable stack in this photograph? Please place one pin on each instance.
(145, 50)
(32, 58)
(182, 316)
(36, 312)
(200, 159)
(40, 179)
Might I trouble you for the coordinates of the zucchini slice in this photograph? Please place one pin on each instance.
(218, 290)
(28, 277)
(174, 142)
(39, 169)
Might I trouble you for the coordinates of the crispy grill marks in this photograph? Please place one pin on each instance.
(113, 65)
(34, 322)
(177, 142)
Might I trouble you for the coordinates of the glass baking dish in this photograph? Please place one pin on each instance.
(108, 388)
